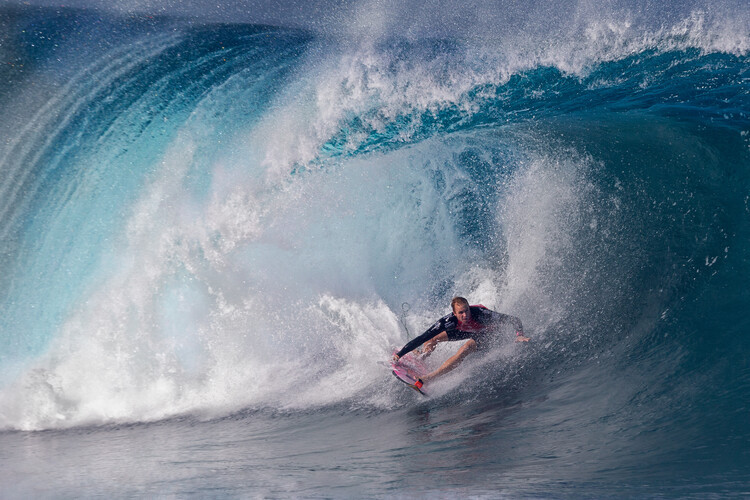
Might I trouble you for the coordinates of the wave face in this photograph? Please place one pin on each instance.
(206, 219)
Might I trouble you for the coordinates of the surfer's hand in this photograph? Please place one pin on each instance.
(428, 347)
(395, 358)
(521, 338)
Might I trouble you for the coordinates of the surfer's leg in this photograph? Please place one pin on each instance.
(452, 362)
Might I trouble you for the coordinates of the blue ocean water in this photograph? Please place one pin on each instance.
(211, 235)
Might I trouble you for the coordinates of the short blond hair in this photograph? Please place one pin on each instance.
(458, 300)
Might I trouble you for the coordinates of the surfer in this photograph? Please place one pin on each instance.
(476, 323)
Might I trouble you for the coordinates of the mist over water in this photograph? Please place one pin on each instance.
(212, 223)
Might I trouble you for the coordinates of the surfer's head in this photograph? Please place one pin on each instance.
(461, 309)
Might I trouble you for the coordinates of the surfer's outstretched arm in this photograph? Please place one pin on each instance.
(434, 331)
(430, 345)
(453, 361)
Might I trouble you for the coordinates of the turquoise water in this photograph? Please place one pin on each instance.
(210, 235)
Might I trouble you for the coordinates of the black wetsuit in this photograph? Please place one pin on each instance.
(489, 324)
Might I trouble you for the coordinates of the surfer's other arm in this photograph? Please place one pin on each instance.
(428, 338)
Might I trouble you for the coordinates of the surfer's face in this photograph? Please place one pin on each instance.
(462, 312)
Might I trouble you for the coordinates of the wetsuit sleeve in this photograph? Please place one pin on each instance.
(431, 333)
(517, 325)
(501, 320)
